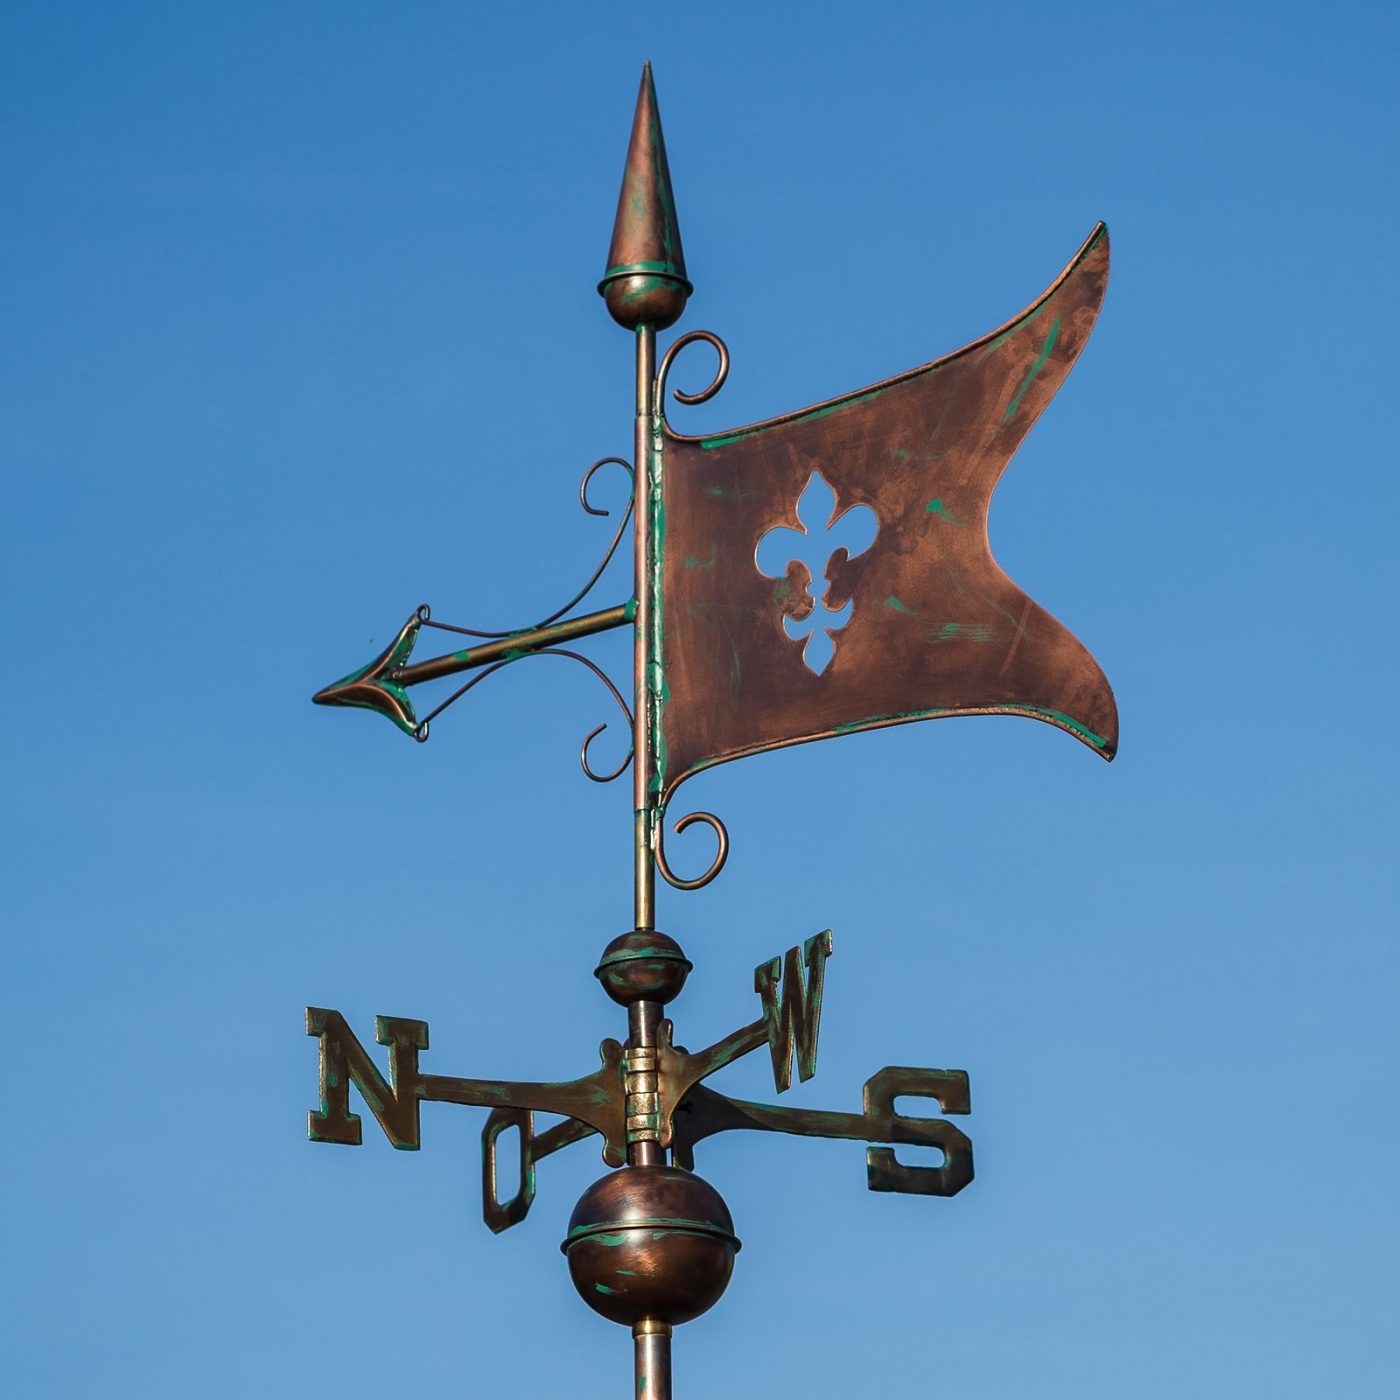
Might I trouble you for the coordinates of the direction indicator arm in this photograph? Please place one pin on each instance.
(516, 645)
(703, 1113)
(383, 685)
(595, 1101)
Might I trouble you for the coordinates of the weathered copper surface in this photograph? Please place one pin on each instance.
(383, 684)
(377, 686)
(650, 1242)
(647, 1096)
(645, 282)
(704, 1112)
(643, 965)
(935, 627)
(596, 1099)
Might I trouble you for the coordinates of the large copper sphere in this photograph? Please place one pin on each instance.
(642, 965)
(650, 1242)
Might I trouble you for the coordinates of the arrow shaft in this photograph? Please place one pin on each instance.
(517, 644)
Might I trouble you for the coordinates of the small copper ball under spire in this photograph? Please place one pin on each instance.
(643, 965)
(645, 283)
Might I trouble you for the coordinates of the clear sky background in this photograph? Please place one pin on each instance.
(300, 331)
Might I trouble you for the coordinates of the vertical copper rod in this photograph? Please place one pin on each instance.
(643, 1016)
(653, 1344)
(644, 555)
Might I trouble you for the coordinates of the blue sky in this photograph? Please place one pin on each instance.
(300, 332)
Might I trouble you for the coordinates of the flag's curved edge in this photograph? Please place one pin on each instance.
(1105, 748)
(1098, 234)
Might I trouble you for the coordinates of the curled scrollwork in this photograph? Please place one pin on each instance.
(714, 386)
(716, 865)
(592, 578)
(421, 732)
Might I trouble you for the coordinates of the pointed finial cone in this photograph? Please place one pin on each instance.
(645, 284)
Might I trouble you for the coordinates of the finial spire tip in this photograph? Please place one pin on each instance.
(645, 282)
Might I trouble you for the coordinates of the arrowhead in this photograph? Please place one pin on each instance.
(645, 284)
(372, 687)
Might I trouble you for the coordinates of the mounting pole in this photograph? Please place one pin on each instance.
(653, 1342)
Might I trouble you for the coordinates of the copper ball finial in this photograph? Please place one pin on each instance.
(643, 965)
(645, 282)
(650, 1243)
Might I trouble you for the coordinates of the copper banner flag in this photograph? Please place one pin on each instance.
(829, 571)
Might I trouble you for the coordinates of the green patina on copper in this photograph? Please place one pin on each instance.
(895, 605)
(694, 562)
(1068, 722)
(1055, 717)
(612, 1239)
(965, 631)
(936, 507)
(1100, 234)
(659, 269)
(377, 676)
(656, 672)
(1030, 317)
(1035, 369)
(658, 1226)
(403, 716)
(644, 288)
(1006, 335)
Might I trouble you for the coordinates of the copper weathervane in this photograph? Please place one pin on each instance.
(805, 577)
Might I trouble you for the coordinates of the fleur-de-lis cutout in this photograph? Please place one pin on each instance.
(828, 537)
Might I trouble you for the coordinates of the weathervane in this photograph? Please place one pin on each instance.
(813, 575)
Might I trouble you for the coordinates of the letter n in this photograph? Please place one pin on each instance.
(793, 1014)
(345, 1061)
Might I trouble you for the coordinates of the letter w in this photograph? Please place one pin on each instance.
(793, 1014)
(345, 1061)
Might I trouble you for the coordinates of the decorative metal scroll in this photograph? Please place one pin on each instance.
(384, 683)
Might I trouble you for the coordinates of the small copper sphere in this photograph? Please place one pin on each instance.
(654, 299)
(643, 965)
(650, 1242)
